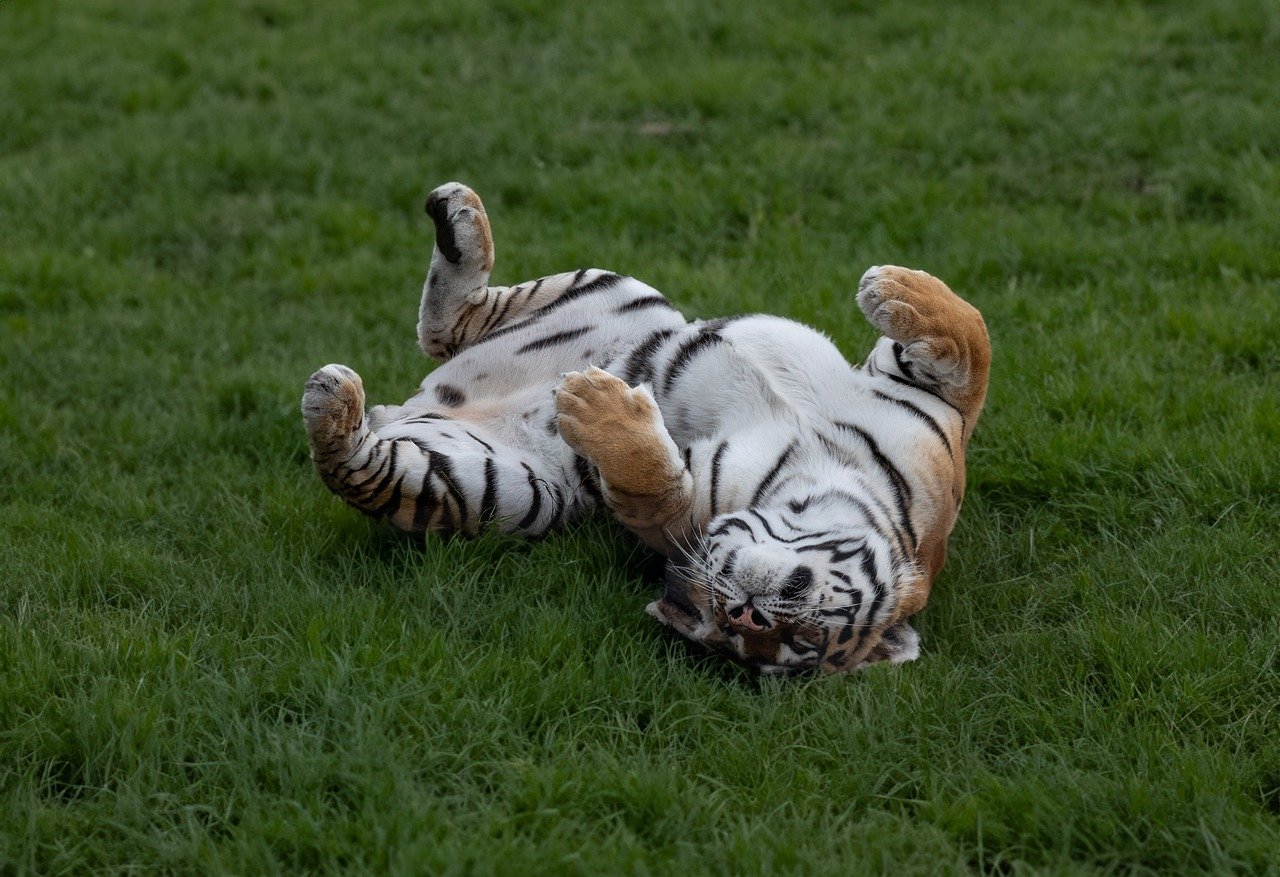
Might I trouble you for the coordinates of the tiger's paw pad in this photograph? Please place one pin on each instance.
(333, 402)
(462, 226)
(598, 414)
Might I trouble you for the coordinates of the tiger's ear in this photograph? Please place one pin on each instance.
(899, 644)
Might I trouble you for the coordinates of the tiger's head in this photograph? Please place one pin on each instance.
(782, 592)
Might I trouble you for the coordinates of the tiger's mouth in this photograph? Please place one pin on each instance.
(676, 597)
(682, 607)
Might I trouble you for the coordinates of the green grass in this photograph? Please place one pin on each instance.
(208, 663)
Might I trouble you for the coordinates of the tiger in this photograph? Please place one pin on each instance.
(803, 504)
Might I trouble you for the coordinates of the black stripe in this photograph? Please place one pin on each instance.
(444, 470)
(605, 281)
(392, 505)
(583, 469)
(560, 504)
(642, 355)
(535, 504)
(732, 524)
(365, 488)
(449, 521)
(488, 447)
(796, 584)
(847, 458)
(869, 570)
(489, 502)
(462, 316)
(361, 469)
(761, 518)
(715, 476)
(903, 365)
(421, 501)
(820, 534)
(847, 629)
(773, 473)
(499, 310)
(901, 489)
(451, 396)
(553, 340)
(839, 554)
(862, 506)
(726, 568)
(360, 446)
(367, 491)
(516, 326)
(718, 323)
(920, 413)
(688, 350)
(922, 389)
(644, 303)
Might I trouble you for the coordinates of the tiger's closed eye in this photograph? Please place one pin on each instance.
(797, 583)
(726, 568)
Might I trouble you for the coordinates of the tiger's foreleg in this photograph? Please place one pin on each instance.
(643, 478)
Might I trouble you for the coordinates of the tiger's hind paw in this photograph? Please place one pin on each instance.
(462, 227)
(332, 404)
(900, 302)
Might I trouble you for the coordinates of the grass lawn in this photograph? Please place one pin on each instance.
(208, 663)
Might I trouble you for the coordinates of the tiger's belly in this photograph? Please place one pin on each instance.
(741, 374)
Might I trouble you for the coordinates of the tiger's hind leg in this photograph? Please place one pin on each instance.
(456, 288)
(458, 306)
(935, 340)
(428, 472)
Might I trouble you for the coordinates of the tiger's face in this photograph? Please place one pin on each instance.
(781, 593)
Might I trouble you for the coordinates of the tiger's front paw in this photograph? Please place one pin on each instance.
(462, 226)
(600, 416)
(617, 427)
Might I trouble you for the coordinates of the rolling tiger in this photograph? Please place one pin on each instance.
(804, 504)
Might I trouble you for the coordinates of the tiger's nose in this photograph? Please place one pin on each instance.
(747, 617)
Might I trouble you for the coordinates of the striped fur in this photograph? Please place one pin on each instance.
(805, 504)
